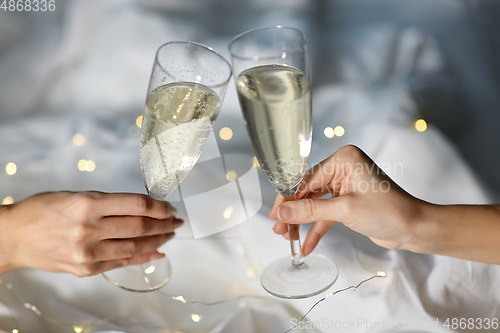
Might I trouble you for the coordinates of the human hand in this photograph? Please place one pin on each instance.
(363, 198)
(84, 233)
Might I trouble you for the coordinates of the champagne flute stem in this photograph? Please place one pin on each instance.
(294, 235)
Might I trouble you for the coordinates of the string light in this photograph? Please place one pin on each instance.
(196, 318)
(81, 165)
(228, 212)
(226, 133)
(86, 165)
(33, 308)
(421, 125)
(79, 140)
(339, 131)
(7, 200)
(329, 132)
(379, 274)
(138, 121)
(90, 166)
(180, 299)
(11, 168)
(231, 175)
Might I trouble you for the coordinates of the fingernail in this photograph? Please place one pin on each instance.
(275, 225)
(178, 223)
(174, 211)
(156, 255)
(286, 213)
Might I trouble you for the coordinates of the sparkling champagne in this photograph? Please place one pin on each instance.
(276, 104)
(178, 118)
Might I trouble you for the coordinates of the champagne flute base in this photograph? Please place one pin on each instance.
(284, 280)
(146, 277)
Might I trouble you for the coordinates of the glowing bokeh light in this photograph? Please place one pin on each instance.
(196, 317)
(11, 168)
(228, 212)
(329, 132)
(180, 299)
(90, 166)
(82, 164)
(86, 165)
(339, 131)
(79, 140)
(421, 125)
(138, 121)
(226, 133)
(231, 175)
(8, 200)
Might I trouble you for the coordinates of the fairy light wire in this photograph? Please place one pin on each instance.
(181, 299)
(14, 320)
(379, 274)
(50, 319)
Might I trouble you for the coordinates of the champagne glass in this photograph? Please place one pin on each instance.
(273, 83)
(185, 92)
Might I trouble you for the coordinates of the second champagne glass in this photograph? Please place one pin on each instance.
(273, 83)
(185, 92)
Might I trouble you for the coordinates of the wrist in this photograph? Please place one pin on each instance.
(423, 234)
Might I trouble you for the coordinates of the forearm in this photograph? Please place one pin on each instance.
(469, 232)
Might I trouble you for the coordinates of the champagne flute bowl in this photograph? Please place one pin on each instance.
(186, 89)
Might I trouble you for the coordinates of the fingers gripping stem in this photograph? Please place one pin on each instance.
(295, 246)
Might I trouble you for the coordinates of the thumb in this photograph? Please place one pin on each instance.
(311, 210)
